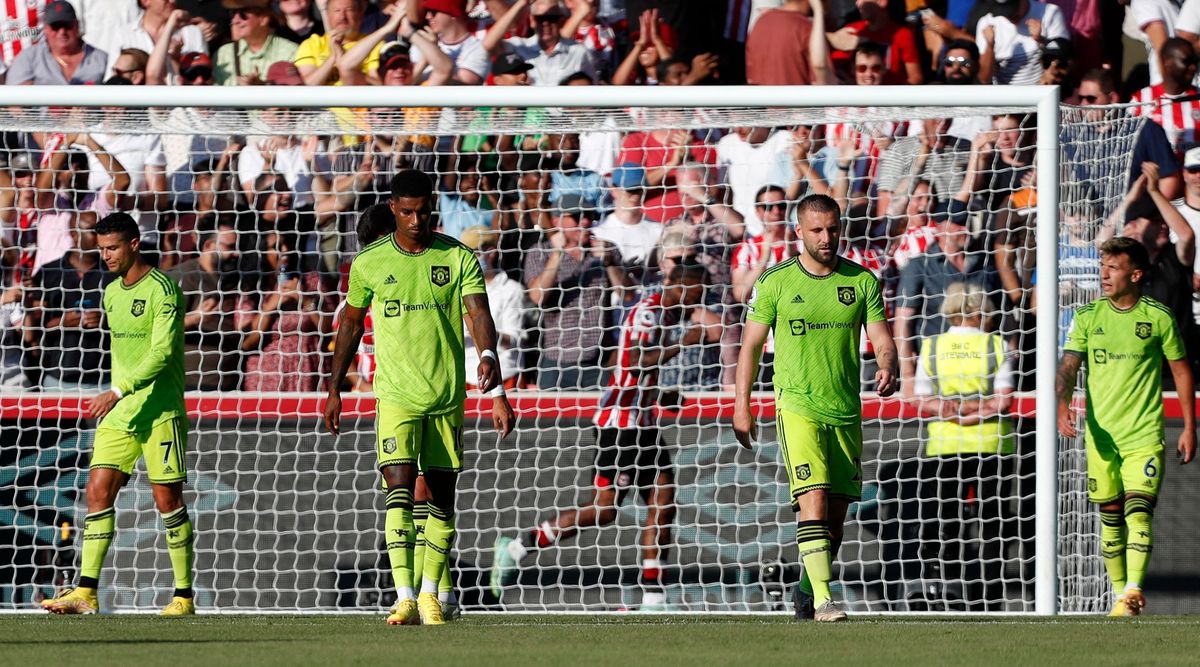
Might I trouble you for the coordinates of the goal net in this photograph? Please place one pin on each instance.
(254, 211)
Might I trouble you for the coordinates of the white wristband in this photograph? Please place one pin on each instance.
(116, 390)
(487, 354)
(496, 391)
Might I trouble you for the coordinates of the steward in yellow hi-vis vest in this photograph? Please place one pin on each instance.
(966, 382)
(965, 386)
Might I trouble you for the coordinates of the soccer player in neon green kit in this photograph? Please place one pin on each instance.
(1124, 338)
(143, 415)
(817, 305)
(417, 283)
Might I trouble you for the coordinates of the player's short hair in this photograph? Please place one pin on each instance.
(819, 204)
(119, 223)
(411, 183)
(1131, 248)
(688, 270)
(374, 223)
(964, 300)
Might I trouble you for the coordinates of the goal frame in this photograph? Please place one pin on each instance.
(1044, 100)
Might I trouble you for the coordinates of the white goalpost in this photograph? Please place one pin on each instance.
(288, 519)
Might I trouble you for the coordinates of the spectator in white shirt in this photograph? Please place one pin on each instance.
(748, 156)
(1010, 39)
(1155, 21)
(448, 19)
(627, 227)
(144, 30)
(553, 57)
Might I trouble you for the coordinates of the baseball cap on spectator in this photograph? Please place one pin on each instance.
(509, 63)
(629, 176)
(575, 206)
(1191, 159)
(455, 8)
(393, 54)
(284, 73)
(478, 236)
(195, 62)
(59, 11)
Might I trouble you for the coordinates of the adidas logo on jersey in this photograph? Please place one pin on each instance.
(1098, 332)
(797, 299)
(391, 280)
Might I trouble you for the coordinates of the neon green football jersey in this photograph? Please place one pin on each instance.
(145, 322)
(818, 322)
(1123, 352)
(416, 303)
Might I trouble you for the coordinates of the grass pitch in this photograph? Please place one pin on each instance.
(487, 641)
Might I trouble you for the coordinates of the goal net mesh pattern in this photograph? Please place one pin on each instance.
(255, 212)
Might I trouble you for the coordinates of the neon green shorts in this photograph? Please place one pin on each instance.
(1114, 472)
(820, 456)
(164, 447)
(433, 442)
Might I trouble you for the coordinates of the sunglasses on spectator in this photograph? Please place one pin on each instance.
(192, 75)
(1192, 170)
(547, 19)
(1089, 99)
(127, 73)
(777, 205)
(863, 69)
(245, 13)
(961, 61)
(61, 25)
(680, 258)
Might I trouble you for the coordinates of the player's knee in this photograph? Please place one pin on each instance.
(101, 493)
(400, 476)
(167, 501)
(1138, 508)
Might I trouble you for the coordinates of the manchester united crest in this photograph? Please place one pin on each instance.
(847, 295)
(1143, 330)
(439, 275)
(138, 307)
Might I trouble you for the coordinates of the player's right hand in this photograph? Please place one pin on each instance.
(1187, 446)
(333, 413)
(744, 428)
(1066, 421)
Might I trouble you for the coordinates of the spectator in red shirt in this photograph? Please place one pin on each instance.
(783, 49)
(903, 58)
(659, 152)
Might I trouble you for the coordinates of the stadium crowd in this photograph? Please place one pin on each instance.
(573, 227)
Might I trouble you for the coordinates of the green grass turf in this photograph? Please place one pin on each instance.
(485, 641)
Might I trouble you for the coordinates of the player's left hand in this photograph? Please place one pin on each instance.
(503, 417)
(104, 403)
(489, 375)
(1187, 446)
(885, 382)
